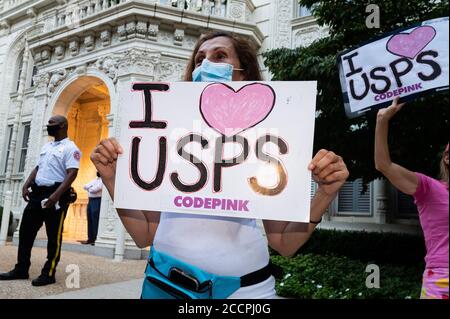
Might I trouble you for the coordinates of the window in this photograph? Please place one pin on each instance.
(32, 75)
(352, 201)
(303, 11)
(19, 71)
(24, 146)
(8, 148)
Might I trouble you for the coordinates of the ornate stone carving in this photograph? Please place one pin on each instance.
(138, 61)
(237, 11)
(40, 82)
(305, 37)
(178, 37)
(81, 69)
(105, 37)
(74, 46)
(5, 26)
(45, 55)
(122, 32)
(131, 29)
(170, 71)
(141, 29)
(153, 31)
(109, 66)
(60, 49)
(282, 24)
(32, 13)
(57, 77)
(89, 41)
(37, 58)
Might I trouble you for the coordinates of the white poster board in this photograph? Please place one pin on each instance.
(239, 149)
(407, 63)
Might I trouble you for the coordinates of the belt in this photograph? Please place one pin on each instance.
(252, 278)
(38, 193)
(257, 276)
(44, 189)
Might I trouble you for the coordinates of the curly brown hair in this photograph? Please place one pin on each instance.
(244, 50)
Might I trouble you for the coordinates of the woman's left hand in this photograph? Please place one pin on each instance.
(329, 171)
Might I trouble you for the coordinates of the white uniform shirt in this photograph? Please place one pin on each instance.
(220, 245)
(94, 188)
(54, 160)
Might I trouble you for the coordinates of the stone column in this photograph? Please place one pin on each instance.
(17, 118)
(134, 65)
(106, 238)
(37, 126)
(381, 201)
(281, 23)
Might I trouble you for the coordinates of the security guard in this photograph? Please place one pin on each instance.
(48, 202)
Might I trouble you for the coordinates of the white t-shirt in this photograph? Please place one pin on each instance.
(94, 188)
(220, 245)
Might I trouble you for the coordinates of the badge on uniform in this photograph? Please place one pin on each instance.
(77, 155)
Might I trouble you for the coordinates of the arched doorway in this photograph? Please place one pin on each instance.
(85, 103)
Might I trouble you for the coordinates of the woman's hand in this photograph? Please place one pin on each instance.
(104, 158)
(26, 193)
(329, 171)
(387, 113)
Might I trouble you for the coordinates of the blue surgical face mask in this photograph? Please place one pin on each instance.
(213, 72)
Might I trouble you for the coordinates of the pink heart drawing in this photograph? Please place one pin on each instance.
(410, 44)
(230, 112)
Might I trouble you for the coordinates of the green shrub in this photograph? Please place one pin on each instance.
(378, 248)
(315, 277)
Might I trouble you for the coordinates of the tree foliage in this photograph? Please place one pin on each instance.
(418, 133)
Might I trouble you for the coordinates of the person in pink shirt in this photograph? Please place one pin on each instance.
(431, 198)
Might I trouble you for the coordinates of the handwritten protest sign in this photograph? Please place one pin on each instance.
(238, 149)
(406, 63)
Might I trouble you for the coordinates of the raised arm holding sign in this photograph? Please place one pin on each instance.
(246, 155)
(430, 196)
(406, 63)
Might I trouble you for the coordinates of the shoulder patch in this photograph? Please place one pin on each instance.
(77, 155)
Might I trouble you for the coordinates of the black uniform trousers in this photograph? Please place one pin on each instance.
(32, 219)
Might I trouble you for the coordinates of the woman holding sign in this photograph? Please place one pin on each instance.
(431, 198)
(195, 256)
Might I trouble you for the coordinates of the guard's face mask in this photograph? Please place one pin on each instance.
(52, 129)
(213, 72)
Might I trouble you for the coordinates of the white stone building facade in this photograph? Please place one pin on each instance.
(72, 57)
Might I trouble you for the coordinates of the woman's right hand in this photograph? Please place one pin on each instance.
(104, 158)
(387, 113)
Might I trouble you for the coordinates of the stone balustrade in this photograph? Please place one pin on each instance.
(9, 4)
(87, 25)
(75, 12)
